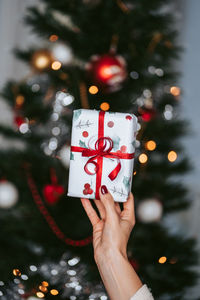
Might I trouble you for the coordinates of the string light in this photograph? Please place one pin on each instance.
(19, 100)
(143, 158)
(150, 145)
(105, 106)
(162, 259)
(53, 38)
(43, 288)
(56, 65)
(172, 156)
(41, 59)
(16, 272)
(134, 173)
(54, 292)
(175, 91)
(93, 89)
(45, 283)
(40, 295)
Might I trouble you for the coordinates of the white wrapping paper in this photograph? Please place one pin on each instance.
(121, 128)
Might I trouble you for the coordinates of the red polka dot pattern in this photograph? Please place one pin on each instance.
(85, 134)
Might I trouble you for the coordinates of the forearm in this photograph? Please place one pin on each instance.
(119, 278)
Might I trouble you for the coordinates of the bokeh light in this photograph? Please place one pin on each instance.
(54, 292)
(105, 106)
(172, 156)
(56, 65)
(93, 89)
(53, 38)
(162, 259)
(16, 272)
(143, 158)
(19, 100)
(150, 145)
(40, 295)
(175, 91)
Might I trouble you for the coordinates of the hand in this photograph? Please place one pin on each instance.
(112, 230)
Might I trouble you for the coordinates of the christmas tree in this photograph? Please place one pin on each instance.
(105, 55)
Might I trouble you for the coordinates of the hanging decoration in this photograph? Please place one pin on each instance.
(52, 192)
(107, 71)
(8, 194)
(150, 210)
(50, 220)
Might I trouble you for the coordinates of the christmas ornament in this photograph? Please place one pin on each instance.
(19, 120)
(8, 195)
(107, 71)
(52, 193)
(150, 210)
(147, 114)
(62, 53)
(50, 220)
(41, 59)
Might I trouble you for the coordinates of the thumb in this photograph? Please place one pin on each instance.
(108, 201)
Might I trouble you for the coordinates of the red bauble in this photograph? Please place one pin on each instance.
(147, 114)
(19, 121)
(107, 71)
(52, 193)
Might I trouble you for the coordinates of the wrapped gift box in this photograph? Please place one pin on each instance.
(102, 153)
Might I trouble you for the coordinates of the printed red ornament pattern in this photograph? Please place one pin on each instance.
(87, 190)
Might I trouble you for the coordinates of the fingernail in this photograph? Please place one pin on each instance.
(104, 189)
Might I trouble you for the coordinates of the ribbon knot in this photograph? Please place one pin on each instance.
(103, 147)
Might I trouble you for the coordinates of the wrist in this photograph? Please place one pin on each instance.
(110, 255)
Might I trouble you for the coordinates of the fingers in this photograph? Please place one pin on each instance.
(109, 204)
(128, 213)
(90, 211)
(118, 208)
(101, 209)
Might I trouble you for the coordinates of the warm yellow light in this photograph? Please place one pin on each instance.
(40, 295)
(162, 259)
(143, 158)
(53, 38)
(175, 90)
(93, 89)
(45, 283)
(54, 292)
(134, 173)
(56, 65)
(172, 156)
(41, 61)
(19, 100)
(150, 145)
(43, 288)
(105, 106)
(16, 272)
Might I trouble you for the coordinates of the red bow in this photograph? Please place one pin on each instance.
(101, 151)
(103, 147)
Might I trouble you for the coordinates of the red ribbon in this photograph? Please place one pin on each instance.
(103, 147)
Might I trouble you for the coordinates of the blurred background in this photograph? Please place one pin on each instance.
(59, 53)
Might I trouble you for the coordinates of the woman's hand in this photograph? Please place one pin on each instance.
(112, 230)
